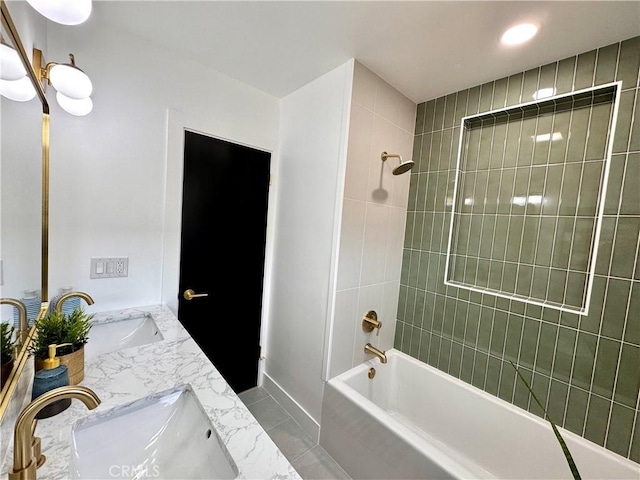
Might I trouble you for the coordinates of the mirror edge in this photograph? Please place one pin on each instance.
(23, 354)
(19, 363)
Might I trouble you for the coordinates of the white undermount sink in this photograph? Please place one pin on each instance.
(116, 334)
(167, 435)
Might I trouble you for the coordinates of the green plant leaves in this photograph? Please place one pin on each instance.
(6, 342)
(563, 445)
(56, 327)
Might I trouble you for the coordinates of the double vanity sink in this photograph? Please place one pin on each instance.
(116, 333)
(165, 435)
(165, 411)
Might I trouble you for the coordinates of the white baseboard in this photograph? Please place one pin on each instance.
(292, 407)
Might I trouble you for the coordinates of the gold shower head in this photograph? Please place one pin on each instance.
(402, 167)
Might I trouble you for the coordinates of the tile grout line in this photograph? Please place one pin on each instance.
(522, 237)
(433, 222)
(515, 383)
(595, 353)
(444, 229)
(466, 156)
(451, 155)
(579, 193)
(530, 168)
(535, 256)
(555, 234)
(562, 184)
(504, 151)
(615, 378)
(506, 324)
(482, 226)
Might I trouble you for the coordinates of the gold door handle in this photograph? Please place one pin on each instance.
(189, 294)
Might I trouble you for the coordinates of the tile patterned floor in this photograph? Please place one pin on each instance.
(309, 459)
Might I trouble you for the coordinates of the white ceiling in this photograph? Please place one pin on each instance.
(424, 48)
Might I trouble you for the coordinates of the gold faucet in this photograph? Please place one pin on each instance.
(86, 297)
(26, 446)
(368, 348)
(23, 322)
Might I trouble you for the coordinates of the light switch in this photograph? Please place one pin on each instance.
(109, 267)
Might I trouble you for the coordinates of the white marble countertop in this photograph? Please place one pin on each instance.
(129, 374)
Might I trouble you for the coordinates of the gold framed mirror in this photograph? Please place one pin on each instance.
(24, 193)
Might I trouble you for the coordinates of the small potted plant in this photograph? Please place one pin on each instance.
(58, 328)
(7, 340)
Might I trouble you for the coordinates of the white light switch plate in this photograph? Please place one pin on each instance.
(109, 267)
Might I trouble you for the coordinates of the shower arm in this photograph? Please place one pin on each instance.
(385, 155)
(402, 166)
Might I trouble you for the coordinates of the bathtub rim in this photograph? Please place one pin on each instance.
(439, 454)
(339, 382)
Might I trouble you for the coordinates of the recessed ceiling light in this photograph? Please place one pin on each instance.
(547, 137)
(519, 34)
(544, 93)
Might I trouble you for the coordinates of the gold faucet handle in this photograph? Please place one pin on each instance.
(36, 447)
(370, 321)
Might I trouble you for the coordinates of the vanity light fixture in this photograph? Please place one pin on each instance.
(66, 12)
(519, 34)
(73, 86)
(17, 90)
(11, 67)
(14, 83)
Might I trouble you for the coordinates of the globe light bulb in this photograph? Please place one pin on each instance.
(78, 107)
(65, 12)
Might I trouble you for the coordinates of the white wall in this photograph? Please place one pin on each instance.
(373, 218)
(313, 128)
(108, 169)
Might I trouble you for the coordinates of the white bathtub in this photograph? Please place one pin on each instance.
(414, 422)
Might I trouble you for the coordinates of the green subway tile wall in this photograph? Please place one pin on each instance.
(515, 216)
(585, 369)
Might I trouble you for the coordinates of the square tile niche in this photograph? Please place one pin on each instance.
(529, 196)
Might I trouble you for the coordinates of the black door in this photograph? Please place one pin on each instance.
(224, 218)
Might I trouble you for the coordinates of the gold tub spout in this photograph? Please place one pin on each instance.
(368, 348)
(23, 321)
(24, 461)
(85, 296)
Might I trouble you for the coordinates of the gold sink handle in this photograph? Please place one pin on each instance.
(190, 294)
(27, 455)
